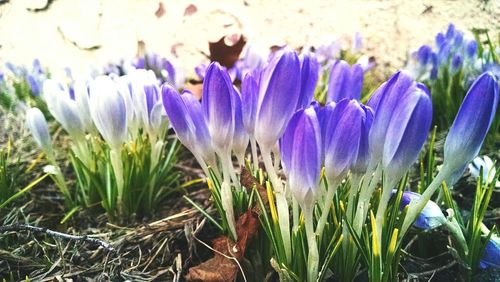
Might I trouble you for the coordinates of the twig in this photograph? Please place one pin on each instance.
(60, 235)
(432, 271)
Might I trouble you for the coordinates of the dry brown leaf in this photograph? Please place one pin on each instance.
(220, 268)
(160, 11)
(227, 50)
(248, 180)
(191, 9)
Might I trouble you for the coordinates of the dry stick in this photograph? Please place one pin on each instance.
(56, 234)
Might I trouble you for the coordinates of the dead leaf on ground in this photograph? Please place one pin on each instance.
(220, 268)
(227, 50)
(160, 11)
(248, 180)
(191, 9)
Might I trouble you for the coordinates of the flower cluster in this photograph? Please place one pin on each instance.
(346, 139)
(165, 69)
(20, 86)
(117, 125)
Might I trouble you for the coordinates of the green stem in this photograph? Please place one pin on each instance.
(255, 157)
(415, 208)
(313, 256)
(227, 194)
(281, 204)
(325, 211)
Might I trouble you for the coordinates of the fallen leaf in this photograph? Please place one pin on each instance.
(191, 9)
(220, 268)
(227, 50)
(174, 49)
(160, 11)
(248, 180)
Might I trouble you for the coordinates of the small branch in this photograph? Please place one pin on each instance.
(56, 234)
(432, 271)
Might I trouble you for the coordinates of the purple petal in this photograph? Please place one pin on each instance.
(309, 78)
(249, 93)
(278, 96)
(342, 137)
(407, 132)
(430, 217)
(472, 122)
(303, 142)
(219, 106)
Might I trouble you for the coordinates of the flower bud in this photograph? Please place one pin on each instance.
(38, 127)
(218, 104)
(472, 122)
(345, 81)
(279, 91)
(301, 146)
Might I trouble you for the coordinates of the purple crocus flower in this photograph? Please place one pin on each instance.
(200, 70)
(342, 138)
(249, 99)
(279, 91)
(384, 102)
(431, 216)
(456, 64)
(360, 164)
(345, 81)
(108, 110)
(471, 49)
(37, 124)
(309, 78)
(406, 132)
(440, 39)
(218, 104)
(301, 144)
(450, 32)
(424, 55)
(491, 255)
(472, 122)
(443, 53)
(240, 138)
(186, 117)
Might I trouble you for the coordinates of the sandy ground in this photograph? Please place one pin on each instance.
(89, 33)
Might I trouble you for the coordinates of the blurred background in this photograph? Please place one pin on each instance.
(87, 34)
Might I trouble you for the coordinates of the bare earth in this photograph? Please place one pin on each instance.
(86, 34)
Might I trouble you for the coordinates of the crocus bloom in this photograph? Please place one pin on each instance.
(279, 90)
(309, 78)
(456, 64)
(342, 137)
(81, 89)
(450, 32)
(472, 122)
(360, 163)
(249, 99)
(430, 217)
(384, 102)
(240, 138)
(471, 49)
(38, 127)
(218, 104)
(108, 110)
(424, 54)
(440, 39)
(345, 81)
(301, 144)
(186, 117)
(69, 117)
(491, 255)
(489, 170)
(406, 132)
